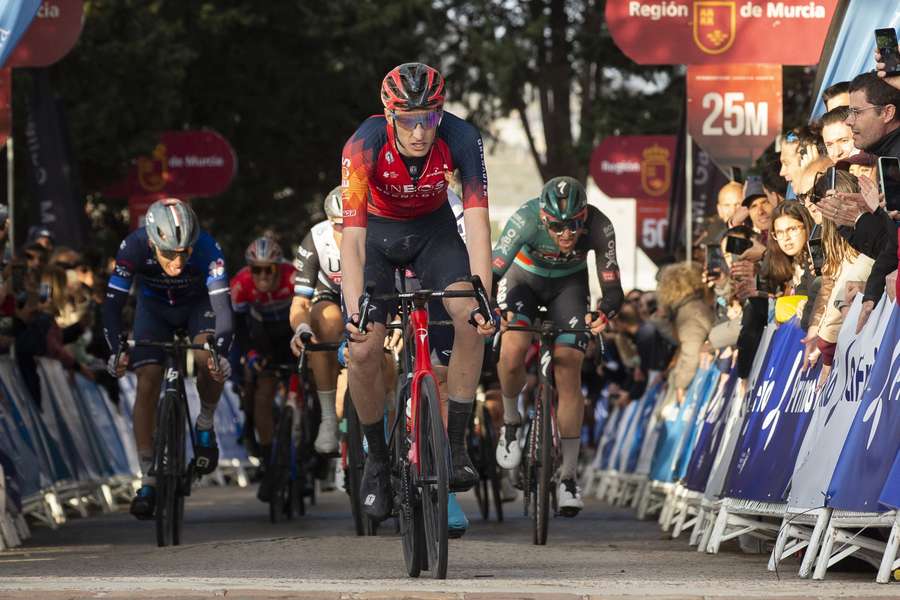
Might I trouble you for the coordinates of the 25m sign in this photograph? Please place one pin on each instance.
(734, 111)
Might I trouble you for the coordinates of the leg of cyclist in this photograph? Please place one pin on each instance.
(568, 309)
(328, 326)
(264, 396)
(209, 390)
(149, 382)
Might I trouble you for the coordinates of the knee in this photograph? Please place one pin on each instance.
(327, 321)
(365, 356)
(148, 376)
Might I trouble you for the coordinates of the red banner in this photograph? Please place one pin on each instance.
(634, 166)
(5, 104)
(51, 35)
(184, 164)
(697, 32)
(734, 111)
(652, 221)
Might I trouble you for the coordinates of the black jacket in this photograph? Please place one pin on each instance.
(886, 259)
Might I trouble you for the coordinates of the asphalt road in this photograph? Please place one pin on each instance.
(231, 550)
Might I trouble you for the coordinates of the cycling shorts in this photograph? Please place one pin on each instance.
(567, 300)
(430, 245)
(272, 340)
(324, 293)
(156, 321)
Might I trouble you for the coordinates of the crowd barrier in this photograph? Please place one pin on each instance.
(773, 461)
(74, 453)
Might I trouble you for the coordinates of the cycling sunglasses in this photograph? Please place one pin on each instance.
(573, 225)
(173, 254)
(428, 120)
(262, 270)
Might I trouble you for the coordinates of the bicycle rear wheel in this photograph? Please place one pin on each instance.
(280, 499)
(491, 468)
(356, 461)
(434, 469)
(166, 482)
(544, 465)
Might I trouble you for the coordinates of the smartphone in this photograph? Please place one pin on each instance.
(889, 181)
(715, 260)
(816, 253)
(737, 245)
(737, 175)
(886, 42)
(44, 292)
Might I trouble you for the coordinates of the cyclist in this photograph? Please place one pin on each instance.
(261, 295)
(181, 284)
(316, 308)
(542, 259)
(395, 211)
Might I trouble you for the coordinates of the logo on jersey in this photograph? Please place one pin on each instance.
(390, 174)
(122, 271)
(217, 268)
(389, 157)
(499, 262)
(608, 276)
(304, 252)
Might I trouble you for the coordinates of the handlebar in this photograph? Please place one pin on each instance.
(178, 343)
(305, 338)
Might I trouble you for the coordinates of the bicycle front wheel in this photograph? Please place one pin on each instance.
(544, 465)
(434, 469)
(165, 468)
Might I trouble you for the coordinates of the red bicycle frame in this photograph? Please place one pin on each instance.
(418, 320)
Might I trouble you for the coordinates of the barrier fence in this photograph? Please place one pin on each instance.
(75, 452)
(774, 462)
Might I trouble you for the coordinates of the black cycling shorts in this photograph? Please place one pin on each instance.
(324, 293)
(155, 321)
(566, 298)
(272, 340)
(430, 245)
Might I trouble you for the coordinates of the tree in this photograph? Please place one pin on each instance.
(559, 54)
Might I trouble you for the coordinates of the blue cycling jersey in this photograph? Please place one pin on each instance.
(203, 277)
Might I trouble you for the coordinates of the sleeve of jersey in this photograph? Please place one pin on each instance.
(517, 231)
(467, 150)
(219, 298)
(357, 162)
(603, 242)
(117, 290)
(306, 265)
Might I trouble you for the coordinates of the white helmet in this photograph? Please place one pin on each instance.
(334, 207)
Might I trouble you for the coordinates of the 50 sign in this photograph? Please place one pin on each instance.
(734, 111)
(652, 223)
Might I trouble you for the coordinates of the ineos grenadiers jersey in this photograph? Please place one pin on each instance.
(203, 276)
(526, 241)
(375, 180)
(318, 259)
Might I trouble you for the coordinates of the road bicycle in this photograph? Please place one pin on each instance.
(173, 475)
(418, 439)
(482, 444)
(542, 456)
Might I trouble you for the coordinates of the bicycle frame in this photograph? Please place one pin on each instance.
(421, 369)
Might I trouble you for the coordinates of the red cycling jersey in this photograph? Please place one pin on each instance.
(375, 180)
(273, 305)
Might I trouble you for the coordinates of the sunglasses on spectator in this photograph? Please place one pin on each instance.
(573, 225)
(428, 120)
(173, 254)
(783, 234)
(269, 270)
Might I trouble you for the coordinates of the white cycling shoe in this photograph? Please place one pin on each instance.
(568, 498)
(326, 442)
(509, 452)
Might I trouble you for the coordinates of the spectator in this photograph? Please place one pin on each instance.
(41, 236)
(729, 200)
(729, 310)
(837, 135)
(861, 164)
(837, 94)
(799, 147)
(681, 293)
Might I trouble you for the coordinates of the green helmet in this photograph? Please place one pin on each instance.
(566, 191)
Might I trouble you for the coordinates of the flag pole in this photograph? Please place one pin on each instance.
(688, 197)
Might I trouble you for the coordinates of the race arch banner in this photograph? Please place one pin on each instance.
(704, 32)
(734, 112)
(51, 35)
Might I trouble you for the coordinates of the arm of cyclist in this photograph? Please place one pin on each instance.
(117, 291)
(306, 268)
(356, 165)
(478, 243)
(518, 230)
(603, 243)
(220, 300)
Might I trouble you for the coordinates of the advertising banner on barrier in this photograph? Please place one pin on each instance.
(639, 167)
(647, 405)
(51, 35)
(890, 495)
(779, 412)
(15, 17)
(874, 438)
(837, 404)
(183, 164)
(695, 420)
(696, 32)
(23, 457)
(734, 111)
(608, 440)
(714, 420)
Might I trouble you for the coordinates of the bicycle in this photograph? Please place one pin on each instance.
(418, 440)
(292, 459)
(542, 456)
(482, 442)
(173, 476)
(355, 457)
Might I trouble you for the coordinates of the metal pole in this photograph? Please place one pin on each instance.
(688, 197)
(10, 198)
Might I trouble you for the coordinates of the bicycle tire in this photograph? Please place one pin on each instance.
(489, 443)
(165, 484)
(435, 471)
(409, 513)
(179, 479)
(544, 470)
(281, 466)
(476, 449)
